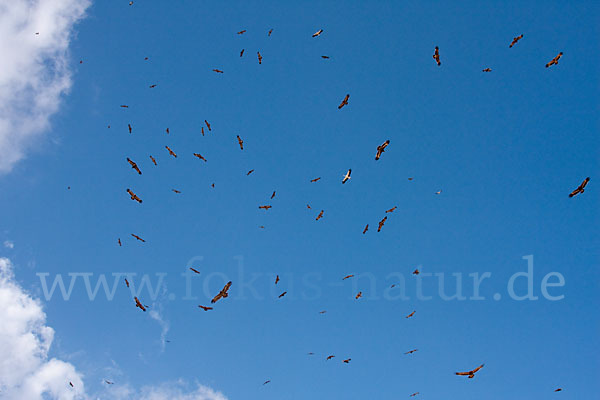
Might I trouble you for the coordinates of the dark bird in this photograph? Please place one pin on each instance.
(315, 180)
(153, 160)
(259, 57)
(436, 56)
(200, 156)
(555, 60)
(152, 86)
(317, 33)
(320, 215)
(515, 40)
(266, 382)
(265, 207)
(124, 106)
(223, 293)
(381, 149)
(416, 272)
(438, 192)
(134, 196)
(580, 188)
(119, 241)
(270, 31)
(277, 279)
(347, 176)
(325, 57)
(126, 282)
(366, 229)
(138, 304)
(241, 32)
(470, 374)
(558, 390)
(241, 142)
(273, 195)
(411, 351)
(347, 277)
(249, 172)
(138, 238)
(329, 357)
(414, 394)
(195, 270)
(176, 191)
(207, 125)
(381, 223)
(171, 152)
(308, 206)
(134, 165)
(108, 382)
(242, 52)
(205, 308)
(486, 70)
(71, 383)
(202, 131)
(344, 102)
(411, 314)
(347, 360)
(218, 71)
(129, 127)
(282, 294)
(322, 312)
(167, 130)
(358, 295)
(391, 209)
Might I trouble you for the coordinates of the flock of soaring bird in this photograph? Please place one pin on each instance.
(224, 293)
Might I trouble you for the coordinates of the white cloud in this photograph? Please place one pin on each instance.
(35, 71)
(164, 327)
(9, 244)
(27, 373)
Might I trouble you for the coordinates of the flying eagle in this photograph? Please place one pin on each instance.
(205, 308)
(241, 142)
(195, 270)
(358, 295)
(515, 40)
(381, 223)
(391, 209)
(344, 102)
(470, 374)
(347, 277)
(347, 360)
(200, 156)
(330, 357)
(277, 279)
(436, 56)
(129, 127)
(119, 241)
(366, 229)
(270, 31)
(273, 195)
(411, 314)
(317, 33)
(259, 57)
(138, 304)
(134, 165)
(580, 188)
(315, 180)
(411, 351)
(134, 196)
(207, 125)
(555, 60)
(153, 160)
(416, 272)
(249, 172)
(347, 176)
(282, 294)
(320, 215)
(171, 152)
(381, 149)
(218, 71)
(242, 52)
(223, 293)
(126, 282)
(486, 70)
(241, 32)
(138, 238)
(265, 207)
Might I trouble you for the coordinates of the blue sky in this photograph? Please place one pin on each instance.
(505, 148)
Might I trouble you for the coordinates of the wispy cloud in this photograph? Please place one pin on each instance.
(35, 71)
(9, 244)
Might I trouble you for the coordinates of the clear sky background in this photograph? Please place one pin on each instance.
(505, 148)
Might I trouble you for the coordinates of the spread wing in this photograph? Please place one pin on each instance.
(241, 142)
(366, 229)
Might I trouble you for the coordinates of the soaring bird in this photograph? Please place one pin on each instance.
(207, 125)
(202, 130)
(241, 142)
(358, 295)
(347, 360)
(249, 172)
(436, 56)
(138, 238)
(322, 312)
(152, 86)
(205, 308)
(108, 382)
(176, 191)
(347, 176)
(265, 207)
(555, 60)
(167, 130)
(325, 57)
(344, 102)
(259, 57)
(347, 277)
(138, 304)
(315, 180)
(134, 196)
(438, 192)
(266, 382)
(580, 188)
(411, 351)
(270, 31)
(277, 279)
(515, 40)
(330, 357)
(129, 127)
(282, 294)
(470, 374)
(416, 272)
(558, 390)
(241, 32)
(320, 215)
(223, 293)
(486, 70)
(381, 223)
(124, 106)
(273, 195)
(134, 165)
(200, 156)
(171, 152)
(317, 33)
(381, 149)
(308, 206)
(411, 314)
(391, 209)
(366, 229)
(126, 282)
(153, 160)
(218, 71)
(242, 52)
(71, 383)
(119, 241)
(414, 394)
(195, 270)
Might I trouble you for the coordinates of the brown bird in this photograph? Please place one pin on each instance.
(381, 149)
(277, 279)
(366, 229)
(358, 295)
(218, 71)
(200, 156)
(273, 195)
(241, 32)
(347, 277)
(347, 360)
(411, 351)
(129, 127)
(195, 270)
(138, 238)
(241, 142)
(322, 312)
(515, 40)
(266, 382)
(436, 56)
(282, 294)
(347, 176)
(330, 357)
(153, 160)
(242, 52)
(315, 180)
(344, 102)
(171, 152)
(325, 57)
(270, 31)
(320, 215)
(259, 57)
(249, 172)
(126, 282)
(555, 60)
(381, 223)
(414, 394)
(486, 70)
(205, 308)
(580, 188)
(438, 192)
(202, 130)
(119, 240)
(411, 314)
(308, 206)
(207, 125)
(470, 374)
(134, 165)
(317, 33)
(152, 86)
(167, 130)
(558, 390)
(223, 293)
(265, 207)
(416, 272)
(138, 304)
(71, 383)
(262, 227)
(391, 209)
(176, 191)
(124, 106)
(134, 196)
